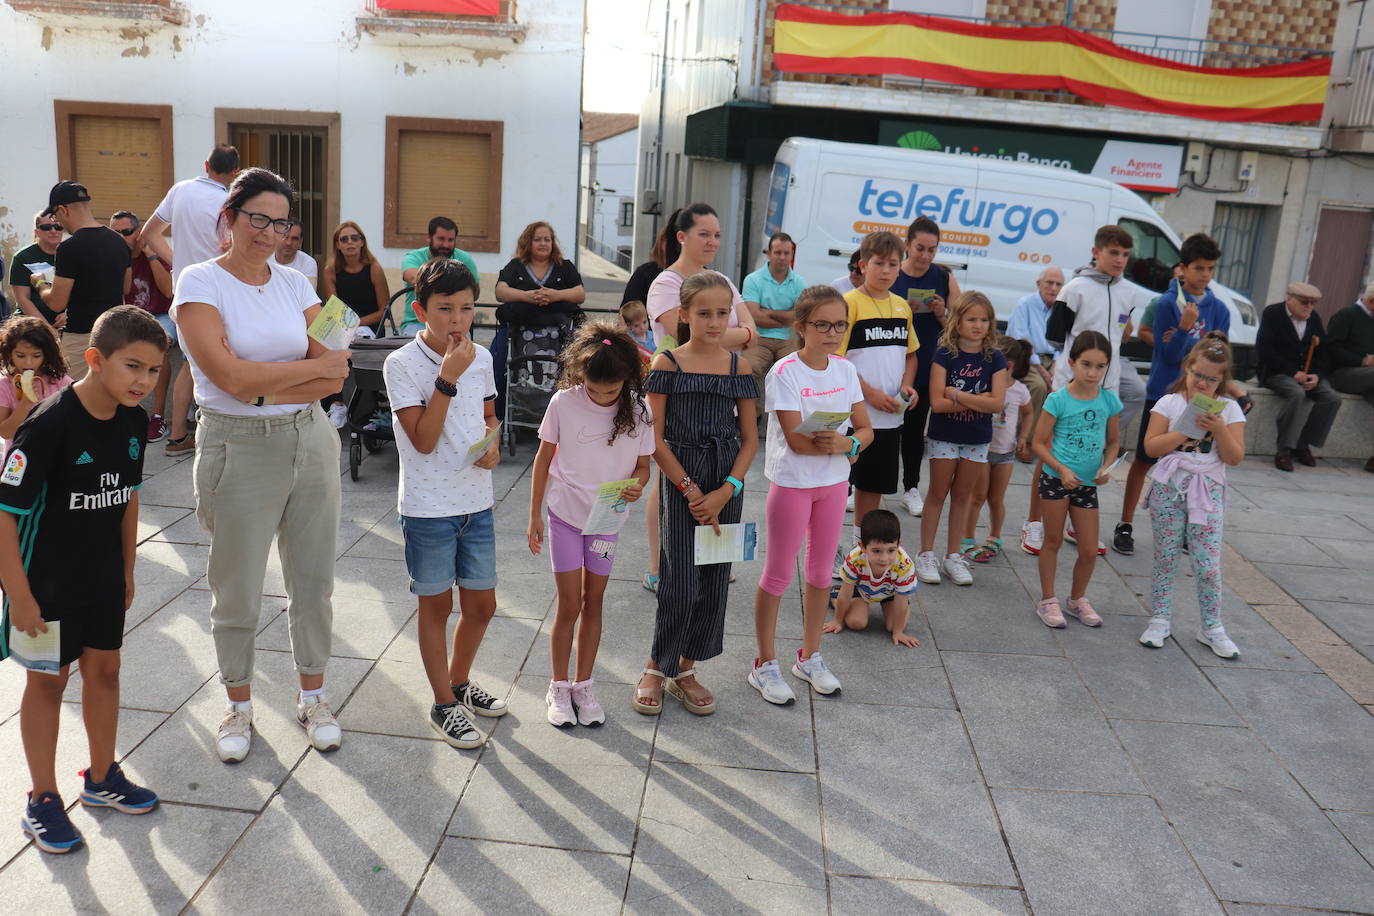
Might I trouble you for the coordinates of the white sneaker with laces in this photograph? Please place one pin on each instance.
(956, 567)
(235, 735)
(559, 698)
(319, 723)
(589, 711)
(849, 502)
(338, 415)
(1032, 538)
(766, 678)
(817, 673)
(1215, 638)
(928, 567)
(1156, 633)
(913, 501)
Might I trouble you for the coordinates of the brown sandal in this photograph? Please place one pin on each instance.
(650, 693)
(696, 709)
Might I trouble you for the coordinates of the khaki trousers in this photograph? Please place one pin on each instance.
(256, 478)
(764, 352)
(74, 347)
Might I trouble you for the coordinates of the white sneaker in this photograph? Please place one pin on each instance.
(913, 501)
(956, 567)
(1156, 633)
(767, 680)
(928, 567)
(1032, 538)
(817, 673)
(841, 552)
(589, 711)
(1072, 537)
(235, 735)
(849, 502)
(559, 698)
(338, 415)
(1215, 638)
(319, 723)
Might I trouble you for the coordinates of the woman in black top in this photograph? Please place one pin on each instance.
(665, 251)
(535, 284)
(355, 276)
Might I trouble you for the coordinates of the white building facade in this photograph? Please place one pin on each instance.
(610, 143)
(382, 117)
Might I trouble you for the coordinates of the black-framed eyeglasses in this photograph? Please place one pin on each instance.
(49, 227)
(827, 327)
(126, 232)
(351, 238)
(262, 221)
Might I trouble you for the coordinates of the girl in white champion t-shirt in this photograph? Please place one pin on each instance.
(810, 484)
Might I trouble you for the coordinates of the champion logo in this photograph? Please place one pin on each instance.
(85, 458)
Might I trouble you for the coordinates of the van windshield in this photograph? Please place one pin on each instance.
(1153, 256)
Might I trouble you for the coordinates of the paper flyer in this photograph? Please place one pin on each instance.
(919, 299)
(609, 511)
(1197, 406)
(335, 325)
(822, 420)
(734, 544)
(38, 653)
(479, 448)
(40, 272)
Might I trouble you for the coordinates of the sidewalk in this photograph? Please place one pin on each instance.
(1001, 767)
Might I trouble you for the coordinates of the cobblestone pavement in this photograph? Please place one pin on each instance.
(1000, 767)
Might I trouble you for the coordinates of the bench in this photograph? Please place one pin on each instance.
(1351, 436)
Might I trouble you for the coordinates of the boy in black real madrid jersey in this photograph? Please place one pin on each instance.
(69, 489)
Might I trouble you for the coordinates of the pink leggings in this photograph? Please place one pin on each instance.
(796, 512)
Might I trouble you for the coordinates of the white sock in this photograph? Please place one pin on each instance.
(240, 705)
(307, 694)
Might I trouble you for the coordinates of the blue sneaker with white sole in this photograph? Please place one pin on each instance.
(46, 822)
(117, 792)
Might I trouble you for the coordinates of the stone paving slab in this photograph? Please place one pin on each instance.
(669, 889)
(1089, 854)
(485, 877)
(879, 895)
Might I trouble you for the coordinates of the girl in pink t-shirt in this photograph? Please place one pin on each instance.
(596, 431)
(32, 367)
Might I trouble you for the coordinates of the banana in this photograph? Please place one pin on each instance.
(28, 385)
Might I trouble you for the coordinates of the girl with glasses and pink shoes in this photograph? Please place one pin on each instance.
(1194, 432)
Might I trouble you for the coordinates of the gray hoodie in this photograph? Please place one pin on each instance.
(1091, 301)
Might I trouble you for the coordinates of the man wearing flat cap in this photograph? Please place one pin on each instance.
(91, 271)
(1292, 363)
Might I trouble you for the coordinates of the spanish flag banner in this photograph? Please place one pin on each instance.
(450, 7)
(808, 40)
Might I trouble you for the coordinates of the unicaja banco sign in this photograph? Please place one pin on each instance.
(1137, 165)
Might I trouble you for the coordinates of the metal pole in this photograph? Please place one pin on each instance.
(658, 143)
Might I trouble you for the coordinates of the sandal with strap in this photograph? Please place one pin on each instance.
(674, 689)
(650, 693)
(984, 552)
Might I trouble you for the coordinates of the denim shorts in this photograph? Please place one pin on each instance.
(169, 326)
(457, 549)
(1001, 457)
(938, 448)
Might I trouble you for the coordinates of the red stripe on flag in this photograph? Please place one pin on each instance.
(798, 63)
(451, 7)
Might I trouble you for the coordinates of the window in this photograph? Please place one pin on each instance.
(121, 153)
(301, 146)
(439, 167)
(627, 213)
(143, 10)
(1238, 229)
(1153, 256)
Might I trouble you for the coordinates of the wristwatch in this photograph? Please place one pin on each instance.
(447, 389)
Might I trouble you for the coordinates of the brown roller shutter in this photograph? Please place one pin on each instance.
(1340, 257)
(443, 174)
(119, 160)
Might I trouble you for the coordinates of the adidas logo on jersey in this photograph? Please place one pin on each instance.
(85, 458)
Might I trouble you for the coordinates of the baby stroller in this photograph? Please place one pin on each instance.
(369, 411)
(532, 369)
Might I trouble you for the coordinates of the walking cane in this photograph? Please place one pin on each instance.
(1307, 366)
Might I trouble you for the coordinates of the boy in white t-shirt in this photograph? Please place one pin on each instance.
(443, 397)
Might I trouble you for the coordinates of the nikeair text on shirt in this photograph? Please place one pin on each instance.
(880, 333)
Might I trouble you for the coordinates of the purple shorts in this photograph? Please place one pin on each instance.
(570, 549)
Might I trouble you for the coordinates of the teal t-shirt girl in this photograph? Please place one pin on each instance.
(1080, 430)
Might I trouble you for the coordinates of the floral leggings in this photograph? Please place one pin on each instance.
(1169, 516)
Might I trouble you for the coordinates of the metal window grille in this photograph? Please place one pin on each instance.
(298, 155)
(1238, 229)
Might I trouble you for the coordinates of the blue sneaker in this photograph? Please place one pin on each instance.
(117, 792)
(47, 823)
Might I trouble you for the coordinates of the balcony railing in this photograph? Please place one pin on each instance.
(1198, 52)
(1360, 115)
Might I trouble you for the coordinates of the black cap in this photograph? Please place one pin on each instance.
(66, 192)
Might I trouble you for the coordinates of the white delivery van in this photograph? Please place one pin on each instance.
(1000, 222)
